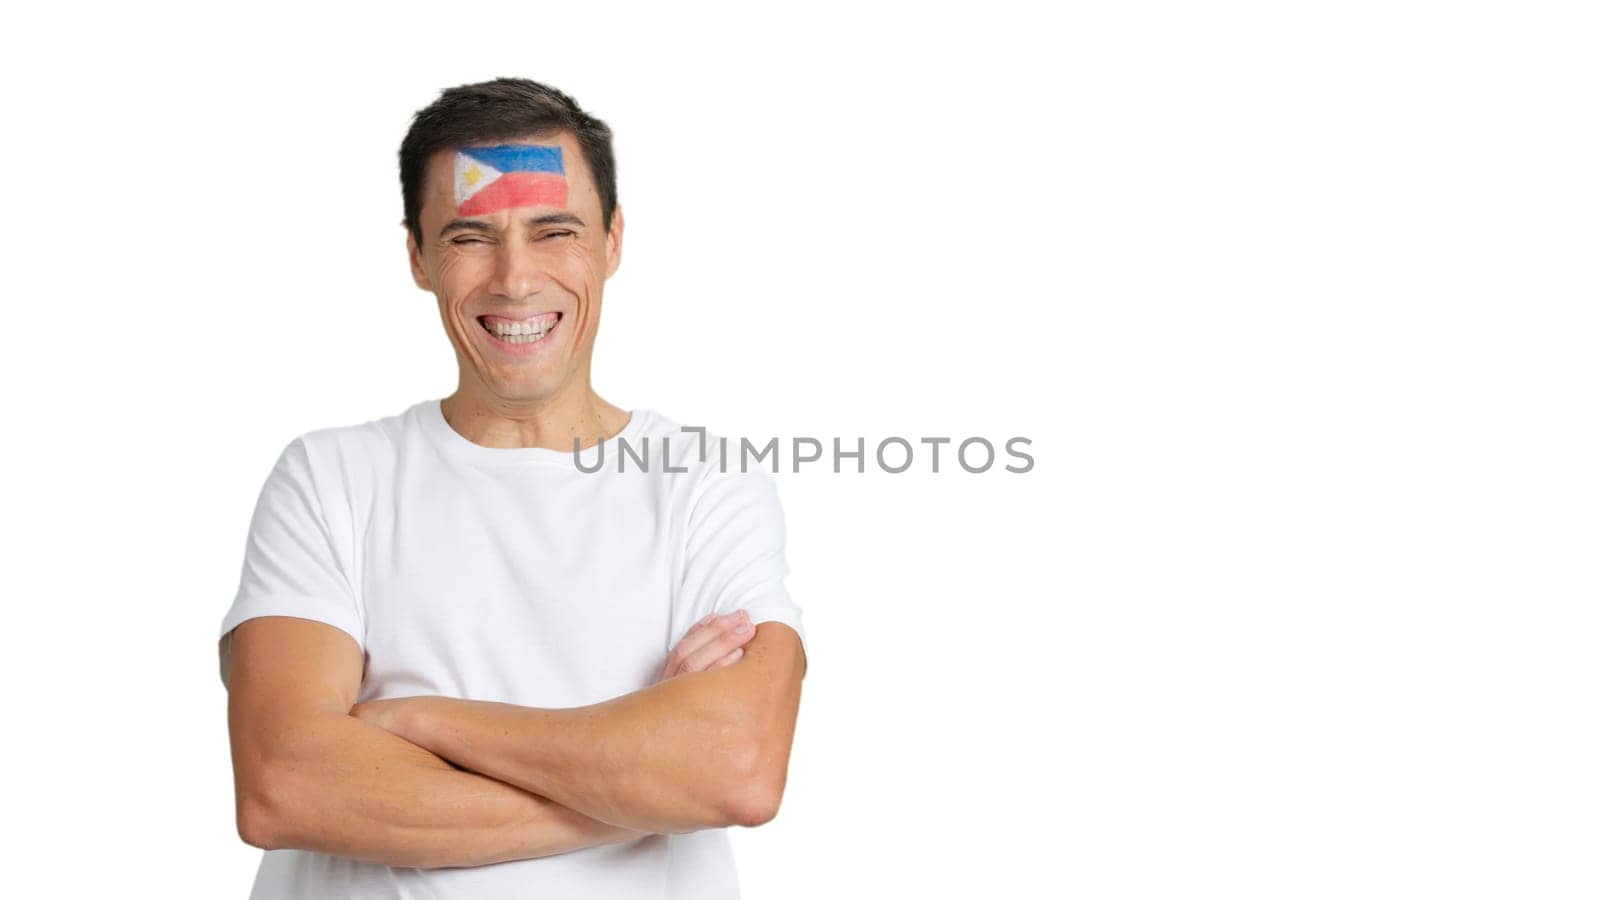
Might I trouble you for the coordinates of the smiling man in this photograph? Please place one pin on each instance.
(467, 660)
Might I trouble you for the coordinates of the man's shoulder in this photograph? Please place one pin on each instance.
(358, 443)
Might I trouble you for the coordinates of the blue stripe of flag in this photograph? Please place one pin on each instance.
(519, 157)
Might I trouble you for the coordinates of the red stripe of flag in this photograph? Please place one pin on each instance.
(517, 189)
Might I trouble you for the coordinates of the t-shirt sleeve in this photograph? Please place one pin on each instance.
(292, 566)
(734, 553)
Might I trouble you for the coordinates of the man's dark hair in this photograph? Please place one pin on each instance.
(499, 110)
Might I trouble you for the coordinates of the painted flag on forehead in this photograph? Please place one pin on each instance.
(495, 178)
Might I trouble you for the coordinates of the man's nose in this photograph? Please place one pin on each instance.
(517, 272)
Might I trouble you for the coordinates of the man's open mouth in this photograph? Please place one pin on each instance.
(520, 331)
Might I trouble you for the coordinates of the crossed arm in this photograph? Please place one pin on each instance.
(705, 749)
(380, 781)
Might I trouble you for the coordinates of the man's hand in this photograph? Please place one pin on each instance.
(713, 642)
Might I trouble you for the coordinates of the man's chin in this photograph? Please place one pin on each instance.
(522, 390)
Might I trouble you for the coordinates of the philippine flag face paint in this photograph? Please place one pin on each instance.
(495, 178)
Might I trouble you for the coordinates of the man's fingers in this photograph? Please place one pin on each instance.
(733, 656)
(720, 646)
(696, 636)
(702, 636)
(708, 642)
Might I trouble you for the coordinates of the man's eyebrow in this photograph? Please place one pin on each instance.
(561, 218)
(466, 225)
(556, 219)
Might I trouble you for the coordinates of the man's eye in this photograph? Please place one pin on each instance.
(463, 241)
(551, 234)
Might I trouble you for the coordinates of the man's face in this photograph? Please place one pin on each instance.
(514, 249)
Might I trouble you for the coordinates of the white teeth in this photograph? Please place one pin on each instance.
(522, 332)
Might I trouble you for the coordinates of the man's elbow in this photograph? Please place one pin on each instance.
(753, 798)
(260, 819)
(256, 824)
(755, 810)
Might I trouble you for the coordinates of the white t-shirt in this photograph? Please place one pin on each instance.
(511, 575)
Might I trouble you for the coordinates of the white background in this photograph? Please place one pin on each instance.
(1296, 303)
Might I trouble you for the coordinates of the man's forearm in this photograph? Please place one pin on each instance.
(702, 750)
(349, 788)
(669, 758)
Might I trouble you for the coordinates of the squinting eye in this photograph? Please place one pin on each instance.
(557, 234)
(465, 241)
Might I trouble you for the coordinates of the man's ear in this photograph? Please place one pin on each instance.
(614, 242)
(419, 273)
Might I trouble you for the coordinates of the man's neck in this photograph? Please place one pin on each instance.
(551, 423)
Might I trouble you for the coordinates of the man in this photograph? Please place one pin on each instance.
(467, 659)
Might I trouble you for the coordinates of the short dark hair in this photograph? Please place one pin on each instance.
(498, 110)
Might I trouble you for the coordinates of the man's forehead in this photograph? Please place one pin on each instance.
(532, 149)
(481, 178)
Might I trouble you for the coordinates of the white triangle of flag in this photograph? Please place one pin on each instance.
(472, 176)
